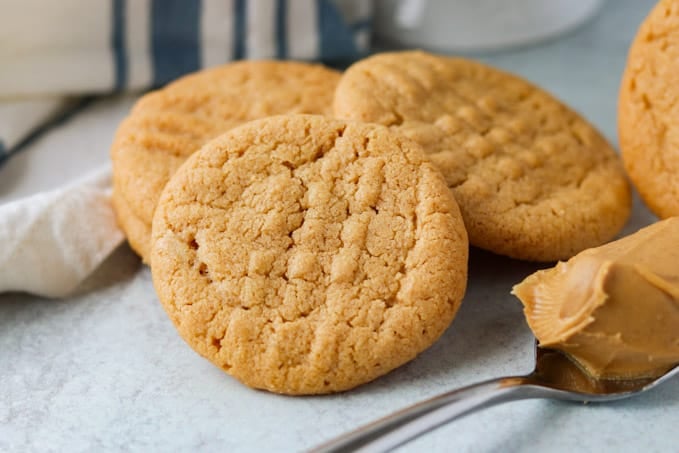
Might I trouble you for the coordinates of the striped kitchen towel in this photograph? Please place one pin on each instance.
(52, 51)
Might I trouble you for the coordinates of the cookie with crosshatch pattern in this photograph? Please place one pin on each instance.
(648, 119)
(307, 255)
(534, 180)
(168, 125)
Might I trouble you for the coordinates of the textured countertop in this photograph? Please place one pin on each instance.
(105, 369)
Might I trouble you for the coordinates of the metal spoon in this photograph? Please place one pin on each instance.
(555, 376)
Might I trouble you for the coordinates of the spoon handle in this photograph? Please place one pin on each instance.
(393, 430)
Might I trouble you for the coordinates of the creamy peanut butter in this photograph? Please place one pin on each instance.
(614, 308)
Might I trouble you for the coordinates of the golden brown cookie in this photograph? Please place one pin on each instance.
(648, 110)
(533, 179)
(307, 255)
(137, 231)
(168, 125)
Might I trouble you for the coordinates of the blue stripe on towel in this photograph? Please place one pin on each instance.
(175, 38)
(337, 39)
(240, 23)
(118, 45)
(281, 29)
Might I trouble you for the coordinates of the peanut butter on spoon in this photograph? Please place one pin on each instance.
(614, 309)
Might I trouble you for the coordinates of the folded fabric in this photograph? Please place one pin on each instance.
(53, 240)
(18, 119)
(85, 46)
(50, 50)
(55, 52)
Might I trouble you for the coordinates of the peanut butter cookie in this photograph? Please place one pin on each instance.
(307, 255)
(533, 179)
(648, 110)
(168, 125)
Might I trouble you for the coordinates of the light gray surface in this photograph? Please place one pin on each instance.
(105, 370)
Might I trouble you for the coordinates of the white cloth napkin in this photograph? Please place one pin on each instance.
(53, 240)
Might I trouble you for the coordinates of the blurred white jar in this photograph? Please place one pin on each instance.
(477, 25)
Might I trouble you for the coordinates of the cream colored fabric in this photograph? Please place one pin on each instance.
(53, 240)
